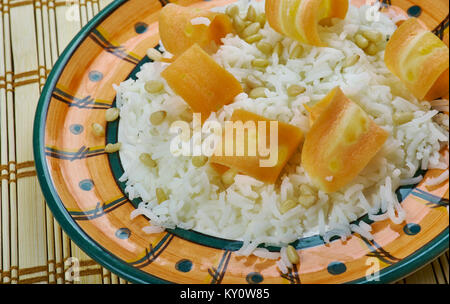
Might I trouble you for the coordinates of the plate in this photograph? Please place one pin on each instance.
(80, 181)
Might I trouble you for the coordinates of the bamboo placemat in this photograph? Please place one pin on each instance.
(33, 247)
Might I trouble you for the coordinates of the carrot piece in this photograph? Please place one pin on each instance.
(318, 108)
(300, 19)
(178, 33)
(440, 87)
(266, 167)
(274, 15)
(419, 59)
(201, 82)
(340, 143)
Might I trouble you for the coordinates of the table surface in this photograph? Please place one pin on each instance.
(33, 248)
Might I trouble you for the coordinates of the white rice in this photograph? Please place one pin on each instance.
(411, 181)
(248, 210)
(266, 254)
(282, 266)
(153, 229)
(438, 180)
(362, 230)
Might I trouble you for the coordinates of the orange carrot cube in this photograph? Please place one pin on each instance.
(264, 148)
(179, 31)
(299, 19)
(340, 143)
(201, 82)
(419, 59)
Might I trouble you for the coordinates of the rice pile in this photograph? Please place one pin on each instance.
(248, 210)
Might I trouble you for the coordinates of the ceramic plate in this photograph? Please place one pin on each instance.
(80, 181)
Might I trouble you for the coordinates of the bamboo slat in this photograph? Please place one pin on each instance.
(33, 247)
(9, 206)
(3, 151)
(30, 203)
(45, 63)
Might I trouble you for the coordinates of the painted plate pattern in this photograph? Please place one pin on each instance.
(80, 181)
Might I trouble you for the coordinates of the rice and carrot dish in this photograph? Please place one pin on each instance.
(358, 103)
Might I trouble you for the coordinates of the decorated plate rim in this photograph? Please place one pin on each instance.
(397, 271)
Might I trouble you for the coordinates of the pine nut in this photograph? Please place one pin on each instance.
(157, 117)
(147, 160)
(257, 93)
(239, 24)
(232, 10)
(287, 205)
(361, 41)
(252, 82)
(112, 114)
(261, 19)
(292, 255)
(296, 52)
(260, 63)
(154, 86)
(264, 47)
(373, 36)
(371, 50)
(160, 195)
(278, 49)
(98, 129)
(111, 148)
(254, 38)
(250, 30)
(251, 14)
(199, 161)
(295, 90)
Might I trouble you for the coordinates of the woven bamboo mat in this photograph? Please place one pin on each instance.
(33, 248)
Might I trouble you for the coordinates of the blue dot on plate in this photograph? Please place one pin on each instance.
(140, 27)
(411, 229)
(183, 265)
(76, 129)
(123, 233)
(95, 76)
(336, 268)
(254, 278)
(86, 184)
(414, 11)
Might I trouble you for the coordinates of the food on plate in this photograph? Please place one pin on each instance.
(181, 27)
(299, 19)
(350, 131)
(318, 107)
(201, 81)
(341, 142)
(260, 158)
(420, 59)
